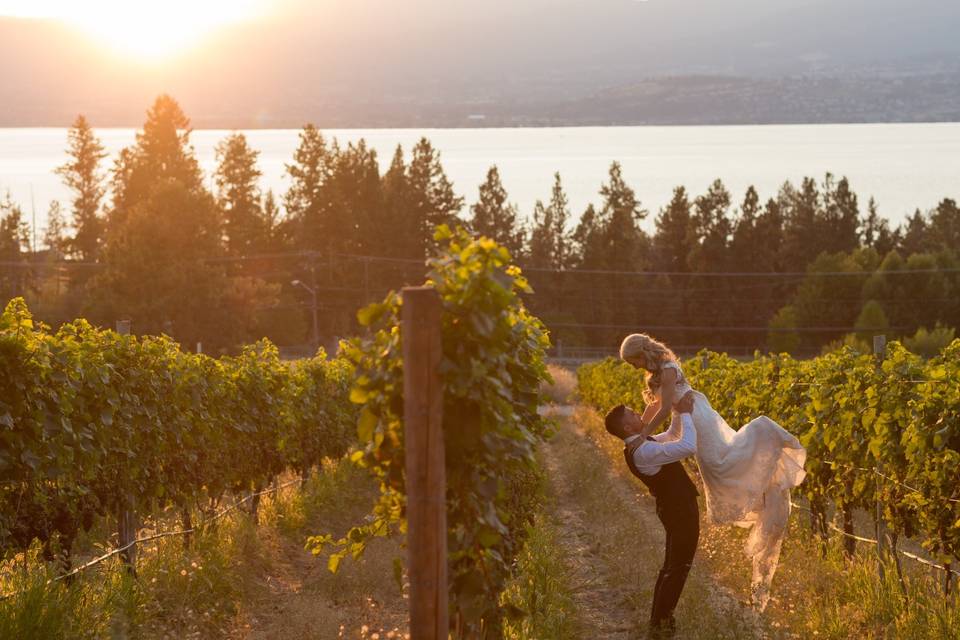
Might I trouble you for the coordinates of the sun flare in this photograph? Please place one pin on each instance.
(148, 30)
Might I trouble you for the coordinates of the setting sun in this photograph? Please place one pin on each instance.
(149, 30)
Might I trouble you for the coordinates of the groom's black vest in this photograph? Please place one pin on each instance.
(670, 485)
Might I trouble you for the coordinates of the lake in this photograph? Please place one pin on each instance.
(904, 166)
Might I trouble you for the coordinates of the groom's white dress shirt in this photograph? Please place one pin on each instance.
(676, 443)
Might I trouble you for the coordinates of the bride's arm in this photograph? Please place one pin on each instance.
(668, 383)
(650, 411)
(673, 431)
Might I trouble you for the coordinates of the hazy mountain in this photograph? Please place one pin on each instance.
(417, 62)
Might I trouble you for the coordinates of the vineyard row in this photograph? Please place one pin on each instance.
(95, 423)
(878, 430)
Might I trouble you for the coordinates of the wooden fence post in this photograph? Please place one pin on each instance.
(426, 476)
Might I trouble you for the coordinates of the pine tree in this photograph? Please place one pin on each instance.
(82, 175)
(757, 235)
(238, 195)
(588, 241)
(915, 234)
(540, 251)
(755, 248)
(945, 226)
(559, 210)
(768, 242)
(743, 244)
(157, 269)
(714, 229)
(841, 216)
(354, 201)
(674, 238)
(802, 239)
(496, 218)
(304, 199)
(875, 231)
(55, 237)
(15, 234)
(432, 200)
(625, 245)
(15, 276)
(162, 153)
(272, 224)
(400, 235)
(165, 235)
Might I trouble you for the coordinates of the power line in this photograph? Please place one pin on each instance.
(746, 274)
(309, 254)
(737, 329)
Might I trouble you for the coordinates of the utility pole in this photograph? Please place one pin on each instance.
(33, 209)
(313, 294)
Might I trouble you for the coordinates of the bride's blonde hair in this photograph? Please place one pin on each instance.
(644, 352)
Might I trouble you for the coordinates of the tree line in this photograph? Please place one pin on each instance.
(147, 240)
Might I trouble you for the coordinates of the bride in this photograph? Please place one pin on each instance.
(747, 474)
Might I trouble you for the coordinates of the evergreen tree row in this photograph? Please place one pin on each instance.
(151, 243)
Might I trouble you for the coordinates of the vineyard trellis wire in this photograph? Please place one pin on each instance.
(165, 534)
(912, 556)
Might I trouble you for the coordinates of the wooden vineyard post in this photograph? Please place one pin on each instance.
(127, 533)
(879, 348)
(126, 514)
(426, 477)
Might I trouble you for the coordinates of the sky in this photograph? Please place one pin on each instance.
(411, 63)
(652, 35)
(150, 30)
(257, 62)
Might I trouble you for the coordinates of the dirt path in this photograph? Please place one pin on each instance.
(289, 594)
(594, 595)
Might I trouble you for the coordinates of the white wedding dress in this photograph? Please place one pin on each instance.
(747, 476)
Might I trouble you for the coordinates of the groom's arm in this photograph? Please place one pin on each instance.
(671, 434)
(651, 453)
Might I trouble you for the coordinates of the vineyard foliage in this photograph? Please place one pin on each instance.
(92, 422)
(875, 430)
(492, 367)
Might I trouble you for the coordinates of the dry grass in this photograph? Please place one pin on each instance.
(239, 580)
(564, 386)
(293, 595)
(542, 587)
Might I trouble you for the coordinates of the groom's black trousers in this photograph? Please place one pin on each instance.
(681, 519)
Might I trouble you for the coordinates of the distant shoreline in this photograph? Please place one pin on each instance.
(665, 101)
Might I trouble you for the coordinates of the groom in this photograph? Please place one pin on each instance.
(656, 461)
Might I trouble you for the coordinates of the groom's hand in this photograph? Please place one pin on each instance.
(686, 403)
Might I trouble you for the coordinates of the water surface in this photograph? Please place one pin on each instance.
(904, 166)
